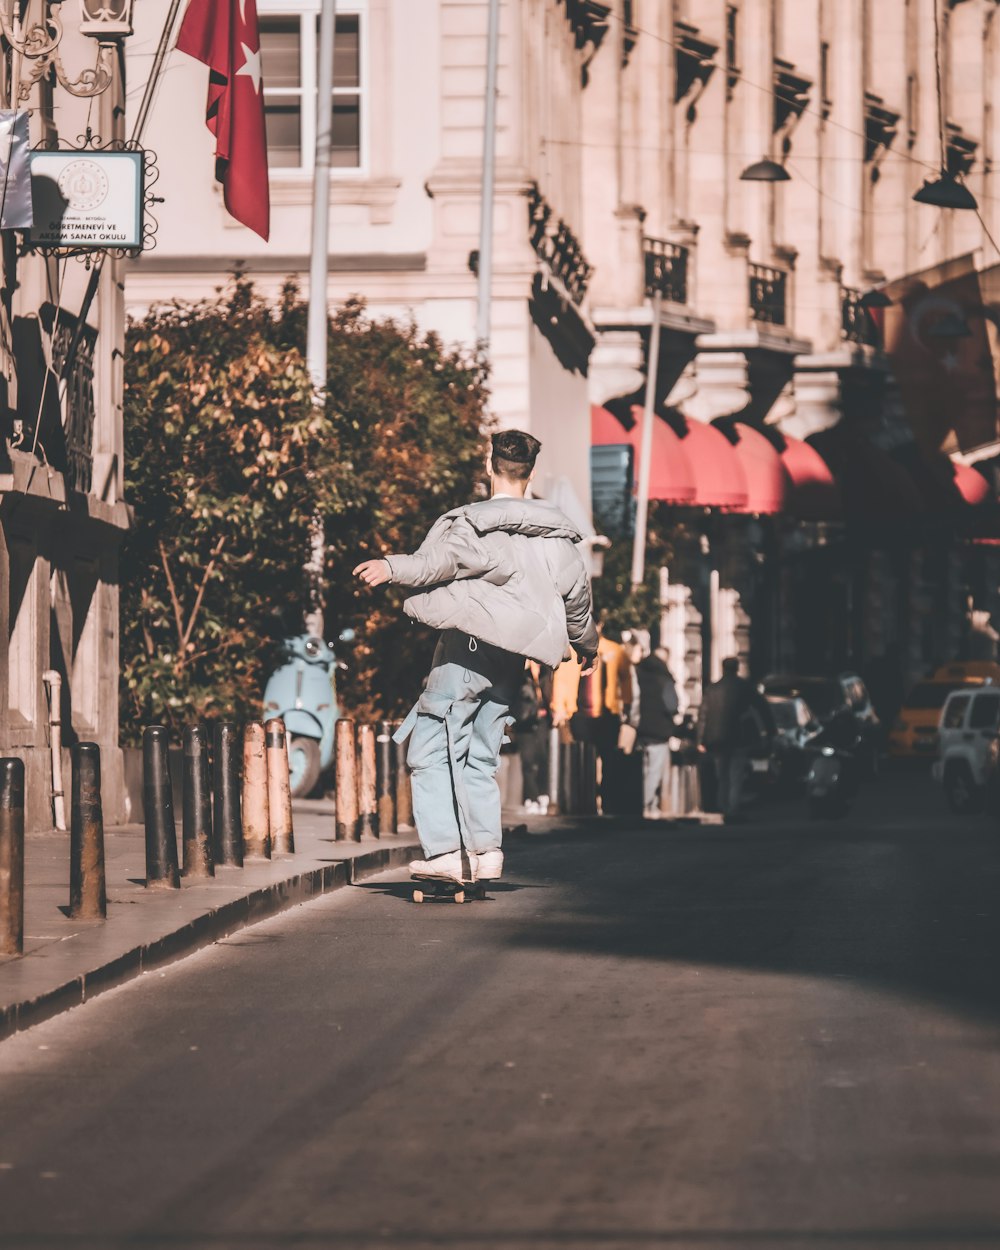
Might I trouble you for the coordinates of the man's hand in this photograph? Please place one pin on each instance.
(374, 572)
(587, 664)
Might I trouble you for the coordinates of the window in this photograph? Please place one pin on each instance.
(954, 712)
(985, 710)
(732, 48)
(289, 39)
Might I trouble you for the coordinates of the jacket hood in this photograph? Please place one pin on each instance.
(537, 518)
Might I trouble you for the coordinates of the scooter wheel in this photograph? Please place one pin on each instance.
(305, 766)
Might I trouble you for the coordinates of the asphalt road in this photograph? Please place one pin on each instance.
(772, 1035)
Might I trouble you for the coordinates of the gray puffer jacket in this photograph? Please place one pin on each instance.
(506, 571)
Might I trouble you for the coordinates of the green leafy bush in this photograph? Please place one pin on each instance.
(227, 461)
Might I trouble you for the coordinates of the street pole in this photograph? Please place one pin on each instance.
(319, 256)
(489, 179)
(316, 329)
(646, 449)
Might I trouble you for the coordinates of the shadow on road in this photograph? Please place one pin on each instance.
(900, 895)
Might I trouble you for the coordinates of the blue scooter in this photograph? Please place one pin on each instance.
(302, 690)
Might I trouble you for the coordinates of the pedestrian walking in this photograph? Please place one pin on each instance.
(603, 703)
(531, 735)
(504, 581)
(732, 720)
(655, 708)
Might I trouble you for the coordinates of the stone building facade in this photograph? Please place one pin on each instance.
(62, 514)
(624, 128)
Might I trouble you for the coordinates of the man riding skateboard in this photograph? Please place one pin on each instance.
(504, 582)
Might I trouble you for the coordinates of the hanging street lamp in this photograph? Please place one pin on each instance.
(765, 170)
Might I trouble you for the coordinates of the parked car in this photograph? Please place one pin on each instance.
(969, 747)
(915, 732)
(829, 697)
(973, 671)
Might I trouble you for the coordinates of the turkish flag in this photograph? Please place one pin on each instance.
(937, 343)
(224, 35)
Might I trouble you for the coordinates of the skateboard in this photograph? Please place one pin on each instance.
(425, 890)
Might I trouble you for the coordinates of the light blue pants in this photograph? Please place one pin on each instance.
(655, 762)
(456, 730)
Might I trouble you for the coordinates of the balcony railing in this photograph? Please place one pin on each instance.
(556, 244)
(768, 294)
(666, 269)
(856, 324)
(73, 362)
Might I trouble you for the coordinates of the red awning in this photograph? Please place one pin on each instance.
(719, 476)
(672, 474)
(695, 465)
(970, 484)
(605, 428)
(769, 486)
(815, 495)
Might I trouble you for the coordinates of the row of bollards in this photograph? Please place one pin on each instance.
(236, 805)
(87, 891)
(225, 820)
(372, 782)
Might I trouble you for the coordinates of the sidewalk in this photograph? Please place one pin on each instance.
(66, 962)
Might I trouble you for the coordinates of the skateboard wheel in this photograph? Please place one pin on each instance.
(459, 896)
(418, 896)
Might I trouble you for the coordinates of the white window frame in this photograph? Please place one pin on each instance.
(308, 38)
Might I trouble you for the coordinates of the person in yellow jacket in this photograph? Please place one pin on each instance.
(603, 700)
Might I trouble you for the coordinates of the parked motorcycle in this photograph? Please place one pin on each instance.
(834, 774)
(302, 690)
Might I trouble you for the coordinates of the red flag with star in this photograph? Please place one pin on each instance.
(224, 35)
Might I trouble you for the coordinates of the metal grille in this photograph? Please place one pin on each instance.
(666, 269)
(856, 324)
(768, 294)
(556, 244)
(79, 409)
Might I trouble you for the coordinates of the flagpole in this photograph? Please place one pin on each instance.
(646, 446)
(319, 257)
(316, 329)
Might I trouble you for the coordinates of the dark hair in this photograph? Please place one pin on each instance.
(731, 664)
(514, 454)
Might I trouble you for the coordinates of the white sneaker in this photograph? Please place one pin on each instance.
(543, 805)
(487, 865)
(447, 867)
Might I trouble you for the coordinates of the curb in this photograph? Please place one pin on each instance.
(207, 928)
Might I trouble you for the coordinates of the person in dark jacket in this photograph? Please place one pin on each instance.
(732, 720)
(654, 723)
(532, 719)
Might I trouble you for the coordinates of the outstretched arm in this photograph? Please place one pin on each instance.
(448, 553)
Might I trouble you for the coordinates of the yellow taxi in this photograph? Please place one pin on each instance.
(915, 733)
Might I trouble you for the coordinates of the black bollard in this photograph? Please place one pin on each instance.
(197, 822)
(385, 774)
(87, 892)
(161, 833)
(228, 823)
(11, 856)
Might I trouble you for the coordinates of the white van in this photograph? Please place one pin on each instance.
(968, 746)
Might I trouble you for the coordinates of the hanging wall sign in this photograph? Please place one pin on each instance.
(87, 199)
(15, 176)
